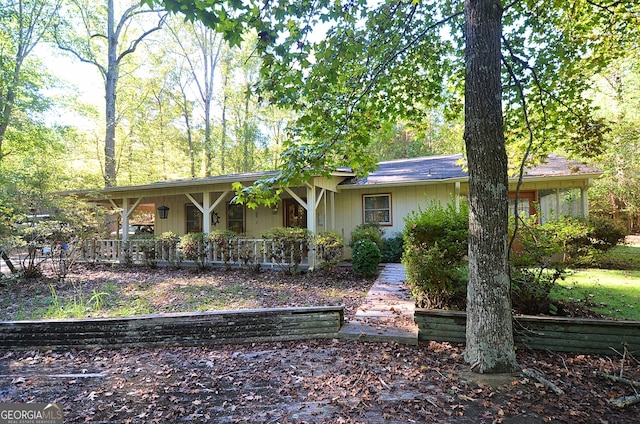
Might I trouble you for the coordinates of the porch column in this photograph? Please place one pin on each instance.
(584, 197)
(332, 205)
(311, 221)
(125, 219)
(206, 212)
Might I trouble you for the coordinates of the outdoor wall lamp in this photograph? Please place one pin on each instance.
(163, 212)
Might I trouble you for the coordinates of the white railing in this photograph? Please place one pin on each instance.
(240, 252)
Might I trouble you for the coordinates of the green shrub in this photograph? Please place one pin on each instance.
(193, 248)
(169, 242)
(288, 247)
(531, 289)
(537, 261)
(222, 243)
(371, 231)
(148, 247)
(435, 251)
(606, 233)
(329, 249)
(392, 249)
(365, 258)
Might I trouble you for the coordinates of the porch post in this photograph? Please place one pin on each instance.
(311, 221)
(584, 196)
(332, 205)
(206, 212)
(125, 219)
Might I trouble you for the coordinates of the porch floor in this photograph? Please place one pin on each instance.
(386, 313)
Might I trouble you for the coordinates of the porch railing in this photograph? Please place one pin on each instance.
(240, 252)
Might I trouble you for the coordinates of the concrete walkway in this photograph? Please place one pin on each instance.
(387, 312)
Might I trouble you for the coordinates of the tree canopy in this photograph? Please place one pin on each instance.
(396, 60)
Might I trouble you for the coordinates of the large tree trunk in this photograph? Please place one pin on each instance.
(111, 80)
(490, 347)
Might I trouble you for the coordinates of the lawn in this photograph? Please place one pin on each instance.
(612, 293)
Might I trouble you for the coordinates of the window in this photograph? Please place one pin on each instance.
(194, 219)
(295, 214)
(377, 209)
(526, 200)
(235, 218)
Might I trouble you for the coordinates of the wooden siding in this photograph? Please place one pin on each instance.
(404, 200)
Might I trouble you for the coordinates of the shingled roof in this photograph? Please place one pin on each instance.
(452, 167)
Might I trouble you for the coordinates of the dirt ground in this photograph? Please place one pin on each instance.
(312, 381)
(315, 381)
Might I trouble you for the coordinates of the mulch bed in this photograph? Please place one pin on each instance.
(313, 381)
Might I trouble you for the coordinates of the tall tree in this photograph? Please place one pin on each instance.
(395, 59)
(101, 45)
(617, 94)
(489, 330)
(201, 46)
(23, 24)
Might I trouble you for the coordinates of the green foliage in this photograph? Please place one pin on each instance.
(148, 244)
(365, 258)
(169, 245)
(371, 231)
(193, 248)
(392, 249)
(572, 241)
(435, 255)
(288, 247)
(605, 233)
(329, 249)
(222, 243)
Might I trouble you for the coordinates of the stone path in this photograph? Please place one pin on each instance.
(387, 312)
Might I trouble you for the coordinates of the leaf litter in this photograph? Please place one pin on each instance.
(311, 381)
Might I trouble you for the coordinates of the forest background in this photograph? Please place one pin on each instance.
(185, 107)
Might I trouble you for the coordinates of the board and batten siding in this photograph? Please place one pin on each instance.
(404, 200)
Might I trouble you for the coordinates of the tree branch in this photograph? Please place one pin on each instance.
(83, 59)
(134, 45)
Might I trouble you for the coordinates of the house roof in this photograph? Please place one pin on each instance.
(428, 169)
(452, 168)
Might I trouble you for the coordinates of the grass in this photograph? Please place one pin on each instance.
(612, 293)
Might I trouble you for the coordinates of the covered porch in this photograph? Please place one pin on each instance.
(204, 206)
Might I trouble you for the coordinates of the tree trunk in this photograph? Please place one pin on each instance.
(490, 347)
(111, 79)
(7, 260)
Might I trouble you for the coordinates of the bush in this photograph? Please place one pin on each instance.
(392, 249)
(537, 261)
(372, 232)
(169, 242)
(222, 243)
(329, 249)
(193, 248)
(365, 258)
(435, 254)
(606, 233)
(288, 247)
(147, 245)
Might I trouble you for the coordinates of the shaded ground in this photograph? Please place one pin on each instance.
(97, 291)
(325, 381)
(314, 381)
